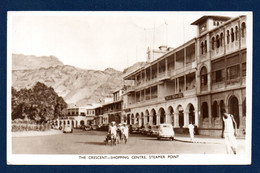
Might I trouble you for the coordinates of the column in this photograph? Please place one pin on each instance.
(240, 116)
(184, 57)
(196, 118)
(186, 119)
(166, 66)
(176, 115)
(208, 44)
(210, 113)
(184, 82)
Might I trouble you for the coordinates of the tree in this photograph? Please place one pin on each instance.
(41, 103)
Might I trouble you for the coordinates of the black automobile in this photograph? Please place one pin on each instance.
(133, 129)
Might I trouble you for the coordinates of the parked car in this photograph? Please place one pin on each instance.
(165, 131)
(94, 127)
(155, 131)
(87, 127)
(68, 128)
(133, 129)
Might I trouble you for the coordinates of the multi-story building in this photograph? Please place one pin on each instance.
(221, 71)
(111, 111)
(78, 116)
(194, 82)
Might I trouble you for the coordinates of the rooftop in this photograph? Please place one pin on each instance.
(204, 18)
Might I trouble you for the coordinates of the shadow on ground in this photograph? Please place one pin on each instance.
(93, 143)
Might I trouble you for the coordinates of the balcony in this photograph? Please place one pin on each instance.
(217, 52)
(163, 76)
(243, 42)
(190, 92)
(232, 46)
(218, 85)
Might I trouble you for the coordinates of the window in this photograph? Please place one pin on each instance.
(202, 46)
(205, 112)
(217, 41)
(244, 69)
(228, 37)
(236, 33)
(212, 43)
(221, 40)
(233, 72)
(205, 46)
(204, 76)
(232, 35)
(218, 76)
(243, 29)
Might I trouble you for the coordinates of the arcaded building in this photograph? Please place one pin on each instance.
(221, 70)
(195, 82)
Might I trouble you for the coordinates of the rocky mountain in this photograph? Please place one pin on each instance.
(25, 62)
(75, 85)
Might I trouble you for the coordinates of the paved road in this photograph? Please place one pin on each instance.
(91, 142)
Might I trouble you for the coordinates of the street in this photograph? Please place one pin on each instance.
(92, 142)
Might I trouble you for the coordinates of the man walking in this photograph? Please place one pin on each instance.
(191, 131)
(230, 133)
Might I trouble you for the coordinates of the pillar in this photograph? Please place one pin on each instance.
(196, 118)
(186, 119)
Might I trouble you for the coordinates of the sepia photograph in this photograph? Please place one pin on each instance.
(129, 88)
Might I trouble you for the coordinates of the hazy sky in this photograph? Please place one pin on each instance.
(97, 40)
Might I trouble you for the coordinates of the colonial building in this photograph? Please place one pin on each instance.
(195, 82)
(221, 63)
(111, 111)
(78, 116)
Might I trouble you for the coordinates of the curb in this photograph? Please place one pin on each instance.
(197, 142)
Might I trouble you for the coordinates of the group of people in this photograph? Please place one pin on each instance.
(119, 131)
(230, 133)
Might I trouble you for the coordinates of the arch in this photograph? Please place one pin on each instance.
(142, 119)
(132, 119)
(162, 116)
(170, 111)
(68, 121)
(232, 35)
(147, 116)
(217, 41)
(137, 117)
(233, 107)
(191, 112)
(221, 39)
(205, 110)
(236, 32)
(203, 78)
(72, 123)
(181, 115)
(222, 107)
(205, 45)
(243, 29)
(153, 113)
(128, 118)
(76, 123)
(228, 36)
(82, 122)
(202, 47)
(213, 43)
(215, 109)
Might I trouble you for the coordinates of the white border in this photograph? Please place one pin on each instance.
(182, 159)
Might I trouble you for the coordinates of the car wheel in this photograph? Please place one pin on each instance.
(158, 138)
(172, 138)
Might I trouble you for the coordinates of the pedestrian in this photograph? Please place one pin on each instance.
(125, 132)
(230, 133)
(191, 131)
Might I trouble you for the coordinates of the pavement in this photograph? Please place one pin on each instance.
(36, 133)
(203, 139)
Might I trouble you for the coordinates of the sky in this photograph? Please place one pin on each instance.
(98, 40)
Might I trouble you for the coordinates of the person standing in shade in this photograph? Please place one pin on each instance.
(230, 133)
(191, 131)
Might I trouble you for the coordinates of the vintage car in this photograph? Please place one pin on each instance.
(154, 131)
(165, 131)
(133, 129)
(68, 128)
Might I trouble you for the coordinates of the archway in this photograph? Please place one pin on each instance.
(162, 116)
(142, 119)
(132, 119)
(82, 123)
(205, 110)
(147, 116)
(153, 113)
(204, 79)
(137, 118)
(234, 109)
(191, 114)
(215, 109)
(171, 111)
(181, 115)
(128, 118)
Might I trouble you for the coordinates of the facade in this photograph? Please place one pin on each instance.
(78, 116)
(195, 82)
(111, 111)
(221, 72)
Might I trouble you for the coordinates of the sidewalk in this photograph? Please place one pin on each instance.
(36, 133)
(203, 139)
